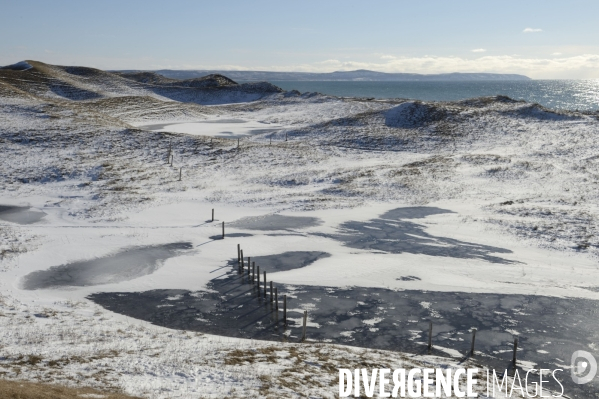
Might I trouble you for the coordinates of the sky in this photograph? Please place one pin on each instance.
(540, 39)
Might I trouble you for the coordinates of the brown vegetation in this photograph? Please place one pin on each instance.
(32, 390)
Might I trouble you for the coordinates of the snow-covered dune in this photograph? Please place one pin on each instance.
(433, 206)
(82, 83)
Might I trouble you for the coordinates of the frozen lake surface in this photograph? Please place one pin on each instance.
(125, 265)
(228, 128)
(392, 232)
(549, 329)
(276, 222)
(288, 260)
(20, 214)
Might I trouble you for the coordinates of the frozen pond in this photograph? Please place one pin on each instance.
(276, 222)
(229, 128)
(20, 214)
(123, 266)
(549, 329)
(288, 260)
(392, 232)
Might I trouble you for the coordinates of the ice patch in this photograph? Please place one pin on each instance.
(228, 128)
(123, 266)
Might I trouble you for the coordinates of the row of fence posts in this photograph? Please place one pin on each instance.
(253, 277)
(270, 143)
(253, 273)
(222, 224)
(170, 157)
(471, 353)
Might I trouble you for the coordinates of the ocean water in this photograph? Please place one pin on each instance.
(580, 95)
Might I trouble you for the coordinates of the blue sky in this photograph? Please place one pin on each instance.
(541, 39)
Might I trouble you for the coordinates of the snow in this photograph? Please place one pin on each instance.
(512, 176)
(231, 128)
(19, 66)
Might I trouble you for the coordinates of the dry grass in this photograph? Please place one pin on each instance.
(32, 390)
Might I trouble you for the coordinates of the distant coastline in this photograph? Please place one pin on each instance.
(358, 75)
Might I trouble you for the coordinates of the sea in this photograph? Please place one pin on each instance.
(581, 95)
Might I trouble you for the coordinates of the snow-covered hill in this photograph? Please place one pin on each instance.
(517, 185)
(82, 83)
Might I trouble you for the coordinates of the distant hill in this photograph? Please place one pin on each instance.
(359, 75)
(84, 84)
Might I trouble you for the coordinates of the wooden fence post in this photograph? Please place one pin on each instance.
(285, 310)
(473, 339)
(213, 214)
(430, 335)
(223, 230)
(304, 325)
(515, 351)
(276, 309)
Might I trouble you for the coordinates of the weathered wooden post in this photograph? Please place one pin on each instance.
(238, 252)
(271, 293)
(180, 173)
(249, 263)
(276, 309)
(258, 280)
(265, 284)
(304, 325)
(237, 142)
(473, 339)
(253, 272)
(213, 214)
(240, 266)
(285, 310)
(430, 335)
(172, 159)
(285, 136)
(515, 350)
(223, 230)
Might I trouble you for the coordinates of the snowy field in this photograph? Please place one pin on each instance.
(483, 197)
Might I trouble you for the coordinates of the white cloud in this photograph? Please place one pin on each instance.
(479, 50)
(532, 30)
(556, 53)
(388, 57)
